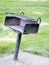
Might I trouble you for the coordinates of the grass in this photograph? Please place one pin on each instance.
(32, 9)
(33, 43)
(37, 43)
(5, 46)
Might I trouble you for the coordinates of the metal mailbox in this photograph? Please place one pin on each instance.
(23, 25)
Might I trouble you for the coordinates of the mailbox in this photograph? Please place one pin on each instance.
(23, 25)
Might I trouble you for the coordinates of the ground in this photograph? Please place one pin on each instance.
(24, 58)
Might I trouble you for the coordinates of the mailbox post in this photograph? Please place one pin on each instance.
(17, 45)
(23, 25)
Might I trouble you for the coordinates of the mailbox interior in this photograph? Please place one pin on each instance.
(12, 21)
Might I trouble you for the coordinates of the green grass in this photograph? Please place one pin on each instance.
(30, 8)
(5, 46)
(33, 43)
(37, 43)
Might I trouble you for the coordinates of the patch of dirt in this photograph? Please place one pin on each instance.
(24, 58)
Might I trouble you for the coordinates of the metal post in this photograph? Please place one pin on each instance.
(17, 46)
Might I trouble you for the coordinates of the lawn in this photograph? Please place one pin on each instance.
(33, 43)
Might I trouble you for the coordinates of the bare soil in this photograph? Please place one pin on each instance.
(24, 59)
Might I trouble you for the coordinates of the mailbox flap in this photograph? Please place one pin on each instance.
(31, 28)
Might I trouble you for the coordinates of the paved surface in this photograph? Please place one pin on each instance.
(24, 59)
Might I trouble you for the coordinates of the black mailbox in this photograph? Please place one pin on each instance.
(23, 25)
